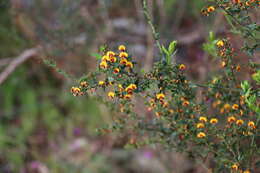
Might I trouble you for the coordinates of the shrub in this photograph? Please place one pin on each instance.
(223, 126)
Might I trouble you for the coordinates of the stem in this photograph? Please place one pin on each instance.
(154, 32)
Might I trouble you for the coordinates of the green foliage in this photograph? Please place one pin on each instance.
(210, 46)
(170, 52)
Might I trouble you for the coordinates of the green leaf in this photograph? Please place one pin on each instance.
(97, 56)
(165, 51)
(172, 47)
(256, 76)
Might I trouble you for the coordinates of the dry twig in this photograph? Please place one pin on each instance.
(29, 53)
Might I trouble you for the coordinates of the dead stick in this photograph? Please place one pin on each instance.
(29, 53)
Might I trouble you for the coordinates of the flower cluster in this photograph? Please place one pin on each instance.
(222, 120)
(223, 124)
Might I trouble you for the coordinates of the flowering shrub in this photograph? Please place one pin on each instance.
(223, 126)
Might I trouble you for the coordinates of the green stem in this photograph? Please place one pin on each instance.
(154, 32)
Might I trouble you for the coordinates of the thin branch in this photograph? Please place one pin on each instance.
(149, 21)
(29, 53)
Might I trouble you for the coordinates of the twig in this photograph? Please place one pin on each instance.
(17, 61)
(149, 21)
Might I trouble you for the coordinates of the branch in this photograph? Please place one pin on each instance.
(29, 53)
(149, 21)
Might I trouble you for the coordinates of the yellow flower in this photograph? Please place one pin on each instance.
(201, 135)
(182, 67)
(220, 43)
(160, 96)
(234, 167)
(213, 120)
(129, 64)
(200, 125)
(121, 89)
(116, 70)
(238, 68)
(130, 88)
(210, 9)
(101, 83)
(158, 114)
(165, 104)
(105, 58)
(239, 122)
(128, 96)
(203, 119)
(103, 64)
(123, 55)
(223, 64)
(186, 103)
(83, 84)
(171, 111)
(111, 94)
(122, 48)
(123, 61)
(75, 91)
(246, 171)
(110, 54)
(251, 124)
(231, 119)
(112, 59)
(235, 106)
(227, 106)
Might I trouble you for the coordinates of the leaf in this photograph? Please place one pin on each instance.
(165, 51)
(97, 56)
(172, 47)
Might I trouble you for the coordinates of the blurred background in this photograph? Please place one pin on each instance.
(43, 128)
